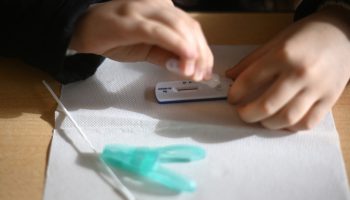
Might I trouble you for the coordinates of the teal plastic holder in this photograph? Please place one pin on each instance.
(147, 162)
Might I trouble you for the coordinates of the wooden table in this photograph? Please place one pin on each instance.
(27, 109)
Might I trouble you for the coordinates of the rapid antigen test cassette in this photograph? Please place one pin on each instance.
(187, 90)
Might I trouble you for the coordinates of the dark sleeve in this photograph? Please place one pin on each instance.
(39, 31)
(308, 7)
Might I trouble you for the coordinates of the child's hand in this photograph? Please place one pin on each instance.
(144, 30)
(301, 73)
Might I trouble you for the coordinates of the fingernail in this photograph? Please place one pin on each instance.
(189, 69)
(172, 65)
(198, 75)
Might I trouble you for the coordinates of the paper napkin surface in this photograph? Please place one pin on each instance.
(244, 162)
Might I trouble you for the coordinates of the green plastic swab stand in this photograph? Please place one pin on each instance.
(146, 162)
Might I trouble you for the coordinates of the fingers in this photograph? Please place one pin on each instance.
(275, 97)
(125, 30)
(164, 37)
(310, 77)
(250, 81)
(302, 112)
(205, 61)
(313, 116)
(199, 66)
(292, 113)
(278, 99)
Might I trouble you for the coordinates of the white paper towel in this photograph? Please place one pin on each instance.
(244, 162)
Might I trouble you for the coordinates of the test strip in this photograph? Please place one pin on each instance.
(186, 90)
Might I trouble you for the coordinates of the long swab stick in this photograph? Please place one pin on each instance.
(118, 184)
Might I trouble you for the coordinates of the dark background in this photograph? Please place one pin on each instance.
(237, 5)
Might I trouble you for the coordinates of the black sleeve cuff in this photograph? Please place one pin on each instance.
(39, 31)
(78, 67)
(308, 7)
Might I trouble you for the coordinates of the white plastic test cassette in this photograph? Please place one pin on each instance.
(186, 90)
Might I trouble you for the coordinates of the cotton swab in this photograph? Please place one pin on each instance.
(118, 184)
